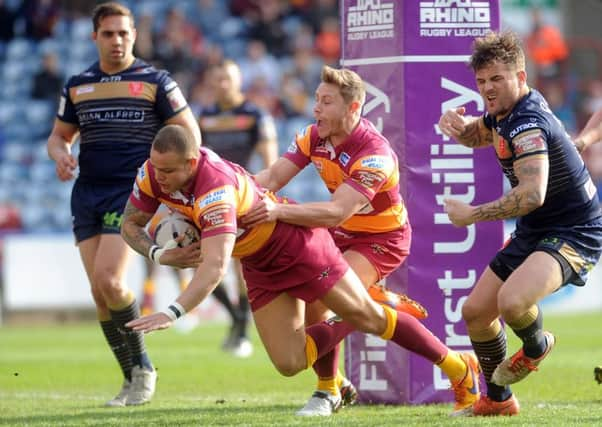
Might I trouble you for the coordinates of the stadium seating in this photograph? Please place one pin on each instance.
(27, 176)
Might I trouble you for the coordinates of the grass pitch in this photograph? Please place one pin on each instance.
(62, 375)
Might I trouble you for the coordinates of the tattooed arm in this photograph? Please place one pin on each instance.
(132, 229)
(468, 131)
(532, 174)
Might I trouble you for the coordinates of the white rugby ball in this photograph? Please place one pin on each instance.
(171, 225)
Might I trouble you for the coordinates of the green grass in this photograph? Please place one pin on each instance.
(61, 376)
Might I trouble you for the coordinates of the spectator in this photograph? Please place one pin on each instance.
(328, 41)
(269, 28)
(547, 49)
(259, 64)
(47, 82)
(7, 22)
(40, 18)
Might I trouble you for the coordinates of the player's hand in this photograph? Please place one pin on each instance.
(453, 123)
(152, 322)
(459, 213)
(186, 257)
(65, 167)
(265, 210)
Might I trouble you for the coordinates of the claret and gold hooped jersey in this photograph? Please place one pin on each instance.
(367, 163)
(118, 116)
(220, 194)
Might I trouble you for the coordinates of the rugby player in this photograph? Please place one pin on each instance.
(284, 265)
(558, 234)
(116, 106)
(366, 213)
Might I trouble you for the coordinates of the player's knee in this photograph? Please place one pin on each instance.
(511, 307)
(471, 312)
(290, 366)
(107, 282)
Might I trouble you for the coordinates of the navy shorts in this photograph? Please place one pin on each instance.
(577, 249)
(98, 208)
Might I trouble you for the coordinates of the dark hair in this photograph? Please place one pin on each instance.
(110, 9)
(503, 47)
(178, 139)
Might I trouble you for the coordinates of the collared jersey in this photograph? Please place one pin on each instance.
(367, 163)
(531, 129)
(118, 116)
(234, 133)
(221, 193)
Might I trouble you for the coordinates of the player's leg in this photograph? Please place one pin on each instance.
(115, 339)
(488, 338)
(349, 300)
(332, 384)
(538, 276)
(148, 288)
(286, 343)
(239, 343)
(109, 274)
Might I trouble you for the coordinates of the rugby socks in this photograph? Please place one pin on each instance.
(244, 313)
(326, 367)
(407, 331)
(134, 339)
(324, 336)
(529, 328)
(490, 347)
(221, 295)
(118, 346)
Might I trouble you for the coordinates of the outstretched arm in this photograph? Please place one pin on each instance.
(277, 175)
(216, 254)
(345, 203)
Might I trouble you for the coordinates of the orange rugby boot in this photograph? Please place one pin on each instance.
(466, 390)
(486, 407)
(399, 302)
(518, 366)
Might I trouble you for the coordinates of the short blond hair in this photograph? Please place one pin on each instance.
(350, 84)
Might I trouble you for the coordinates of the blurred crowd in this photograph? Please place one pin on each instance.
(280, 46)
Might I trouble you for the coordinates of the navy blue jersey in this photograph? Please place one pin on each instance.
(234, 133)
(532, 129)
(118, 116)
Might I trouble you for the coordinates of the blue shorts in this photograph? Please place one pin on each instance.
(577, 249)
(98, 208)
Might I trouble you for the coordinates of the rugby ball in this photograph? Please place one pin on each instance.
(166, 226)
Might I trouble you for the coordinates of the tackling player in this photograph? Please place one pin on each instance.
(283, 264)
(116, 106)
(366, 213)
(558, 235)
